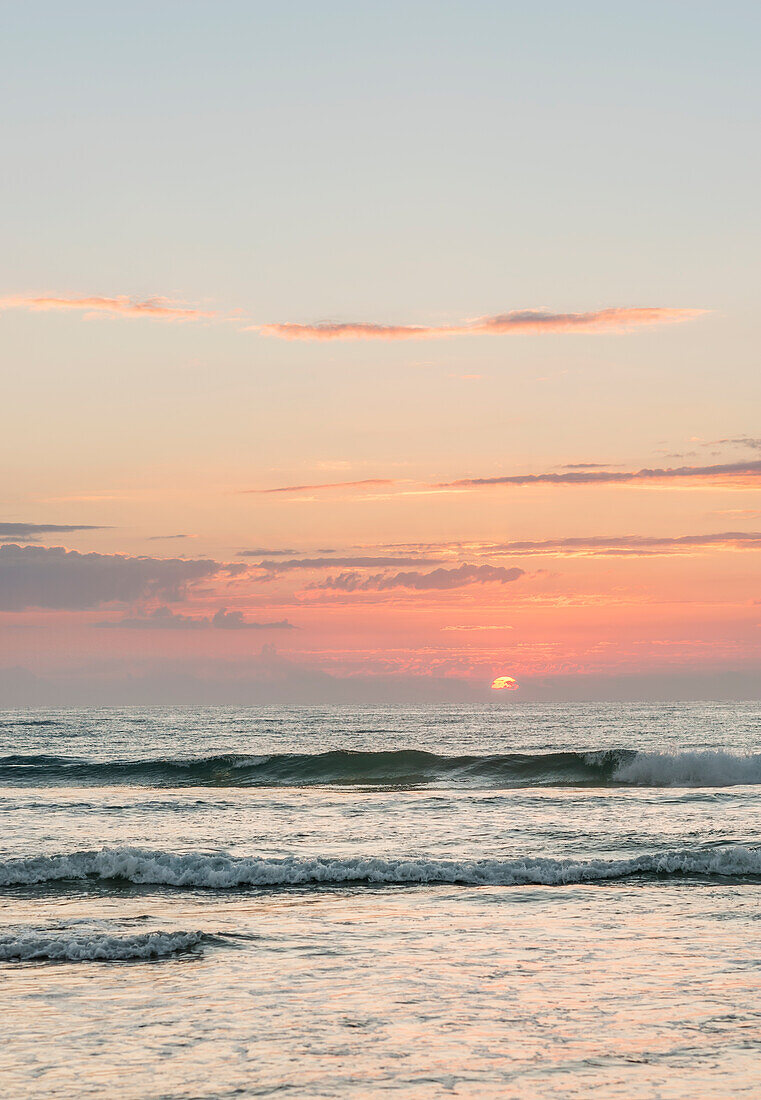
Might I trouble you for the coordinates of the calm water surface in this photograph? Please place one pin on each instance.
(487, 901)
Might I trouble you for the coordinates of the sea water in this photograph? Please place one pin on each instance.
(492, 901)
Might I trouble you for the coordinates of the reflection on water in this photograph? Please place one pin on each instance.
(639, 987)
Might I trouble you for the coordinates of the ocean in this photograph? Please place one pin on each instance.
(507, 900)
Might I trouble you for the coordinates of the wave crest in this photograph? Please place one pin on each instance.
(224, 872)
(403, 768)
(689, 769)
(94, 946)
(406, 767)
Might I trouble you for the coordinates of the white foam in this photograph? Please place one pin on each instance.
(689, 769)
(200, 870)
(94, 946)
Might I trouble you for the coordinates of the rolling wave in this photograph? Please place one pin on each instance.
(94, 946)
(404, 768)
(223, 872)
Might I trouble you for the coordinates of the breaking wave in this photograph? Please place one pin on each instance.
(689, 769)
(224, 872)
(404, 768)
(95, 946)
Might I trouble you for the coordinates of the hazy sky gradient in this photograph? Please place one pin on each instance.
(185, 181)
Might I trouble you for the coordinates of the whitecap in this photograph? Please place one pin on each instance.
(200, 870)
(94, 946)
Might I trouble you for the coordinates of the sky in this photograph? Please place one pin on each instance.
(377, 353)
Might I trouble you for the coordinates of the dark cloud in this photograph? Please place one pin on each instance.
(31, 532)
(262, 552)
(163, 618)
(234, 620)
(436, 580)
(270, 680)
(725, 471)
(741, 441)
(163, 538)
(587, 465)
(360, 562)
(33, 576)
(634, 545)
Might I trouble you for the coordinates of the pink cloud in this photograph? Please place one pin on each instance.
(326, 485)
(589, 474)
(630, 545)
(726, 472)
(163, 309)
(617, 319)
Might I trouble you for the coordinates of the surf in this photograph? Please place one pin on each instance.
(95, 946)
(198, 870)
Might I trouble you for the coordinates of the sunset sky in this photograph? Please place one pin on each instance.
(373, 352)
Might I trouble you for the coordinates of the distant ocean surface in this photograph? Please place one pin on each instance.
(491, 901)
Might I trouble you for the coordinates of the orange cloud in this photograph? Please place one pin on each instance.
(159, 308)
(616, 319)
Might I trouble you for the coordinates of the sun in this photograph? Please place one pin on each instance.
(505, 683)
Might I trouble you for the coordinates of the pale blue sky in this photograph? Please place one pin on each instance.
(399, 160)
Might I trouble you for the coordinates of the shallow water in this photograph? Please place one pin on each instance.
(495, 901)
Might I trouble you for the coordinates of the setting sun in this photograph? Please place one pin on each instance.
(504, 683)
